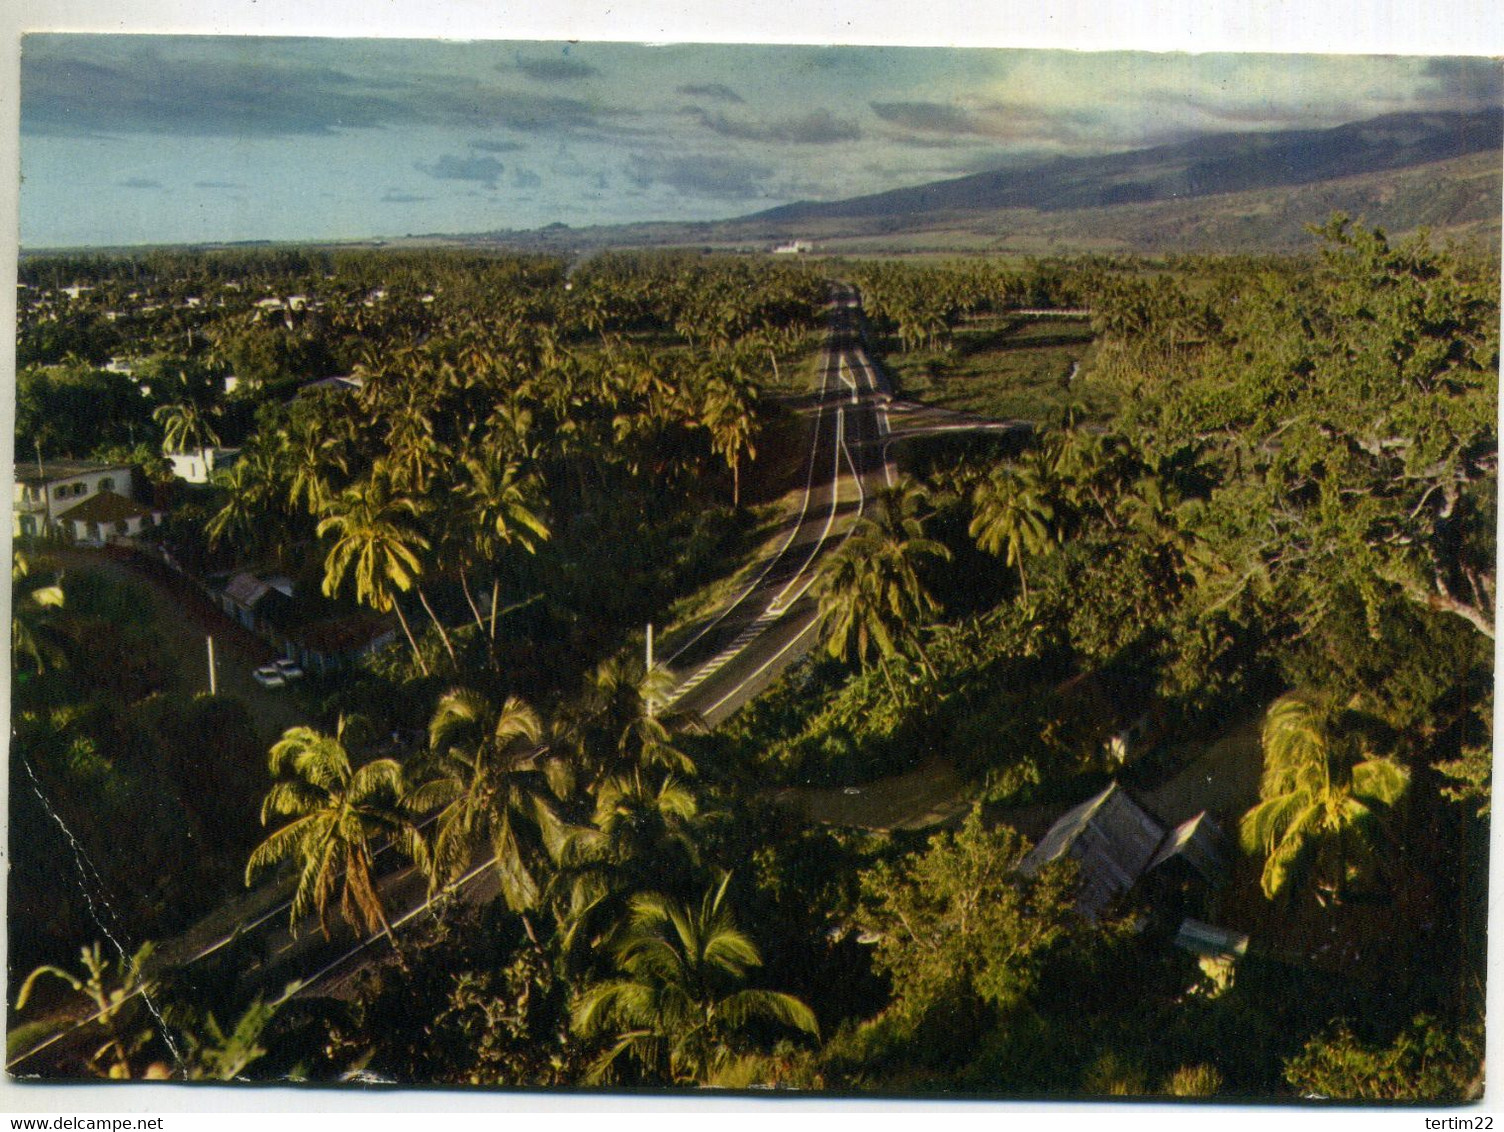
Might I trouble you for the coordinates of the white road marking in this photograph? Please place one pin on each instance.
(835, 503)
(809, 484)
(813, 623)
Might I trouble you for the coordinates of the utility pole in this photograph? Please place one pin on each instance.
(652, 708)
(213, 678)
(42, 487)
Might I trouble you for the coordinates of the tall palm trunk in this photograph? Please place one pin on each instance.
(439, 625)
(417, 653)
(479, 620)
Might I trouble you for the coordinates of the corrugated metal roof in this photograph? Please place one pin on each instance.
(1207, 939)
(1195, 841)
(246, 589)
(1112, 838)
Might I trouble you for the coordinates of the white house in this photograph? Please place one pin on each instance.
(198, 465)
(50, 493)
(106, 515)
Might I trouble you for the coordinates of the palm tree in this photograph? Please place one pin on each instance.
(729, 413)
(641, 836)
(308, 454)
(499, 512)
(185, 427)
(248, 509)
(675, 1007)
(496, 788)
(336, 810)
(1011, 511)
(34, 639)
(1316, 792)
(376, 536)
(872, 600)
(619, 726)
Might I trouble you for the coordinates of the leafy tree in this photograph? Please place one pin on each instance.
(1350, 412)
(1427, 1061)
(336, 811)
(674, 1008)
(960, 920)
(1316, 791)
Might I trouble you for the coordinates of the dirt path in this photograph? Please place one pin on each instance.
(1223, 780)
(927, 795)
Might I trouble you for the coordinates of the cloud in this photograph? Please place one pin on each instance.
(139, 183)
(718, 91)
(525, 178)
(724, 178)
(563, 70)
(451, 167)
(936, 117)
(486, 108)
(819, 127)
(236, 87)
(487, 146)
(217, 185)
(144, 93)
(393, 196)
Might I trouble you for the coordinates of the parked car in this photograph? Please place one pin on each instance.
(290, 669)
(269, 676)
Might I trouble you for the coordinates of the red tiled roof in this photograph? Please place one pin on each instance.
(104, 507)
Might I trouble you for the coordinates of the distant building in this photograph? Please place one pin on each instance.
(350, 381)
(199, 465)
(305, 627)
(794, 247)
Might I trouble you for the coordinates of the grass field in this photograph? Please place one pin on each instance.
(1003, 366)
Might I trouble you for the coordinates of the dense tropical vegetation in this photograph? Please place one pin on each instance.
(1258, 500)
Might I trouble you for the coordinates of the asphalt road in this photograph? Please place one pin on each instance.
(772, 622)
(719, 665)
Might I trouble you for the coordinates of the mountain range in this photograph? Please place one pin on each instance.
(1210, 165)
(1232, 192)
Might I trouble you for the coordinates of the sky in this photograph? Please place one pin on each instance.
(132, 139)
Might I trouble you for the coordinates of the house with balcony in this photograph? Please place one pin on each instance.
(88, 501)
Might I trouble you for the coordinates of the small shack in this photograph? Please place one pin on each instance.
(1117, 843)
